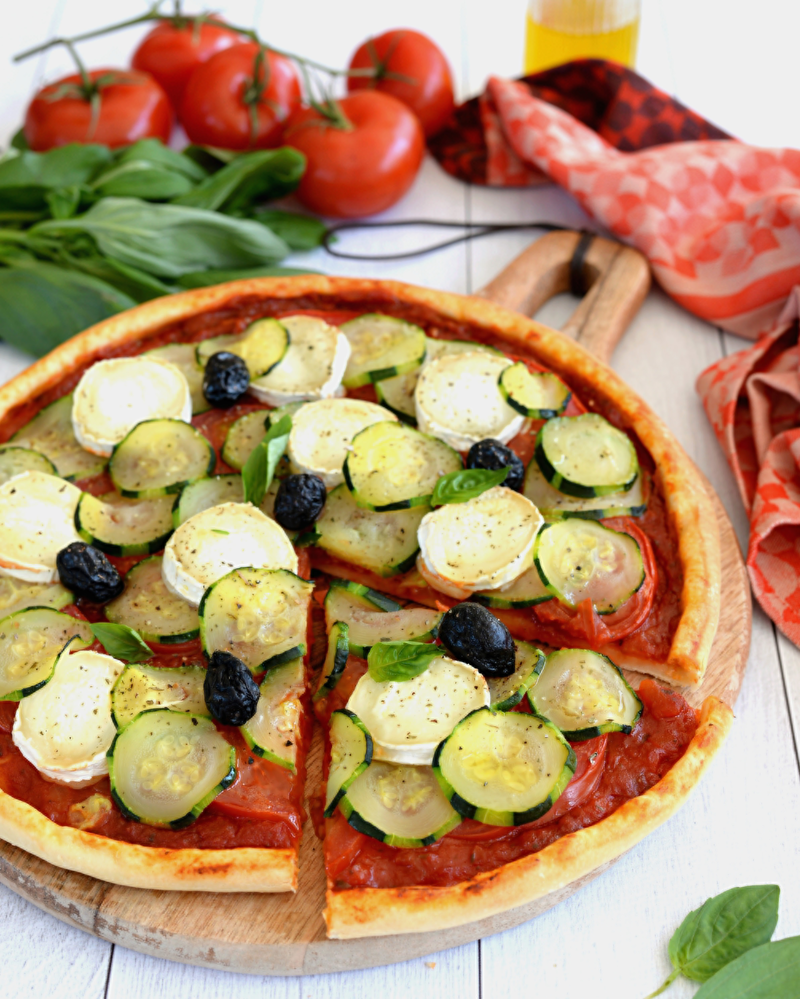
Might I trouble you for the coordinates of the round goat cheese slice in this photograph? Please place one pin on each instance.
(312, 367)
(65, 728)
(482, 544)
(322, 432)
(408, 719)
(215, 541)
(37, 512)
(458, 400)
(113, 396)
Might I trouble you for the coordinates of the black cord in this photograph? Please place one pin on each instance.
(480, 229)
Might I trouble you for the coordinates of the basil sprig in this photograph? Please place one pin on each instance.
(121, 642)
(771, 971)
(393, 661)
(466, 484)
(259, 468)
(721, 931)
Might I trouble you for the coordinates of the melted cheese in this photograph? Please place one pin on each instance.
(209, 545)
(482, 544)
(322, 432)
(65, 728)
(113, 396)
(312, 367)
(37, 513)
(458, 400)
(408, 719)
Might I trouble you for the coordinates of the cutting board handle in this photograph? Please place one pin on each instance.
(613, 280)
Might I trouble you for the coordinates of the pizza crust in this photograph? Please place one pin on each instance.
(361, 912)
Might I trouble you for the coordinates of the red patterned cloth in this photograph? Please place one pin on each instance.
(753, 401)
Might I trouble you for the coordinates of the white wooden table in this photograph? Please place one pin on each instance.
(740, 825)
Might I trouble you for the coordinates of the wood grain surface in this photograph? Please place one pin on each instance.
(284, 934)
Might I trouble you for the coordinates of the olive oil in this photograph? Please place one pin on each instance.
(558, 31)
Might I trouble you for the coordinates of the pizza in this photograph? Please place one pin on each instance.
(432, 530)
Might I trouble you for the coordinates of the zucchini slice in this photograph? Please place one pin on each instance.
(15, 595)
(385, 543)
(335, 660)
(526, 590)
(381, 347)
(147, 606)
(140, 687)
(321, 433)
(435, 347)
(183, 356)
(120, 526)
(205, 493)
(31, 641)
(398, 804)
(391, 466)
(586, 456)
(506, 692)
(37, 513)
(274, 729)
(243, 436)
(584, 694)
(355, 594)
(258, 615)
(367, 627)
(312, 367)
(555, 505)
(167, 766)
(458, 400)
(50, 433)
(583, 560)
(539, 395)
(351, 754)
(397, 395)
(504, 768)
(16, 460)
(262, 345)
(159, 457)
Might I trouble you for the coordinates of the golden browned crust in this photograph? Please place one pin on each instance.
(380, 911)
(243, 869)
(694, 525)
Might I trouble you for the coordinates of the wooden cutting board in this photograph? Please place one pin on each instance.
(284, 934)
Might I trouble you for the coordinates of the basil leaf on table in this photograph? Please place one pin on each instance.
(300, 232)
(121, 642)
(131, 281)
(63, 202)
(465, 484)
(398, 661)
(771, 971)
(154, 151)
(259, 468)
(141, 179)
(169, 240)
(202, 279)
(26, 178)
(41, 304)
(263, 175)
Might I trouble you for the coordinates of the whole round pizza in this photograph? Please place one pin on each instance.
(435, 531)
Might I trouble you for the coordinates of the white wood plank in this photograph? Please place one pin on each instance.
(41, 956)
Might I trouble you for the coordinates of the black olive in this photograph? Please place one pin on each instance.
(226, 379)
(88, 573)
(299, 501)
(493, 455)
(472, 634)
(230, 691)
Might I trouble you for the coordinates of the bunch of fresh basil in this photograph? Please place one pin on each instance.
(86, 231)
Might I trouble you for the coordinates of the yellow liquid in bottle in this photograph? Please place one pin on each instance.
(546, 47)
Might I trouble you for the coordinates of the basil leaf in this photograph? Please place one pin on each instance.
(41, 305)
(400, 661)
(466, 484)
(154, 151)
(300, 232)
(18, 140)
(723, 928)
(260, 467)
(121, 642)
(141, 179)
(202, 279)
(209, 158)
(25, 178)
(259, 176)
(138, 285)
(169, 240)
(63, 202)
(771, 971)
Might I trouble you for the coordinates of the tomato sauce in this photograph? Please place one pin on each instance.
(264, 807)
